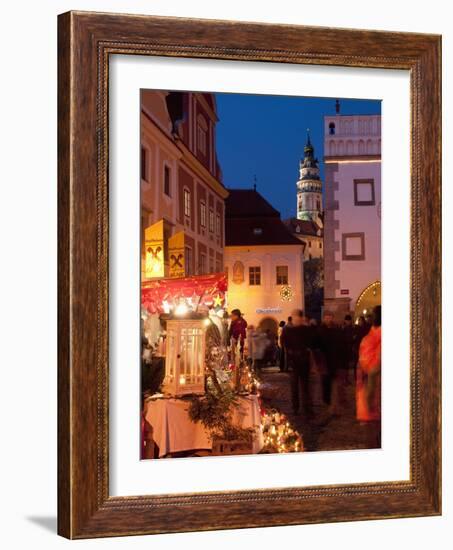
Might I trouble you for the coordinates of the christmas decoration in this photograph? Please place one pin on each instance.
(194, 293)
(279, 436)
(286, 293)
(215, 411)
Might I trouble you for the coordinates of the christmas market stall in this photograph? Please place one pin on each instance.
(193, 401)
(200, 396)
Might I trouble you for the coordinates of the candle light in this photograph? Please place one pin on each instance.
(182, 379)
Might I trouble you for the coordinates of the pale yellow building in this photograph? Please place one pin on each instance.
(264, 261)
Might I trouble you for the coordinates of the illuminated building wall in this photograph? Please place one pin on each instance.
(264, 261)
(181, 183)
(352, 232)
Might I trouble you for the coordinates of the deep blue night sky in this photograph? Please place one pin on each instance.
(265, 136)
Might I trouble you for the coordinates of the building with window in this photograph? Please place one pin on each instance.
(182, 195)
(264, 261)
(352, 235)
(310, 233)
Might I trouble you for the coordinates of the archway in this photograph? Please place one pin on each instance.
(368, 299)
(269, 323)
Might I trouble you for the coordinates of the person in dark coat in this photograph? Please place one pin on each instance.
(297, 340)
(347, 336)
(329, 343)
(281, 349)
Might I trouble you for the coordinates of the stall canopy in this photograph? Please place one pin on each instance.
(165, 295)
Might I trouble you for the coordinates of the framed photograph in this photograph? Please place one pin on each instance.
(249, 275)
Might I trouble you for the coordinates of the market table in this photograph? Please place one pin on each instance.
(174, 431)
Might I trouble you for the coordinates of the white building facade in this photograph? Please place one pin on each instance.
(352, 224)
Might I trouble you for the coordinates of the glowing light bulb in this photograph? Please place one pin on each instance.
(181, 310)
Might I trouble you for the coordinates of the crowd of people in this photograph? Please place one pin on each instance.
(324, 358)
(341, 354)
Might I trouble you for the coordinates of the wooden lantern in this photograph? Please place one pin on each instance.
(185, 357)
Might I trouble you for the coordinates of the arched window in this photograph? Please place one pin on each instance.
(349, 147)
(332, 149)
(340, 149)
(332, 128)
(369, 147)
(361, 147)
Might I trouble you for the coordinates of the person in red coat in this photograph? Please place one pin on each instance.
(368, 386)
(238, 329)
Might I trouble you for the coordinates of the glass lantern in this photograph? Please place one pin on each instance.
(185, 357)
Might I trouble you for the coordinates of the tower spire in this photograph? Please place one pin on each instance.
(308, 149)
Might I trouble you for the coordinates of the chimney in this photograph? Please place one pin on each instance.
(337, 106)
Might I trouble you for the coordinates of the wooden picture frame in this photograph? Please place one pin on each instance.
(85, 41)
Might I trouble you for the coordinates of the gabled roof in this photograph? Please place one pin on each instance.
(248, 203)
(251, 221)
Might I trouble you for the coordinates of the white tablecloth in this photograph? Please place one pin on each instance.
(173, 431)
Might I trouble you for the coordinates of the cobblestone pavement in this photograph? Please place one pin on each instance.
(322, 432)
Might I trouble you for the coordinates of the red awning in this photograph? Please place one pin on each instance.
(206, 290)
